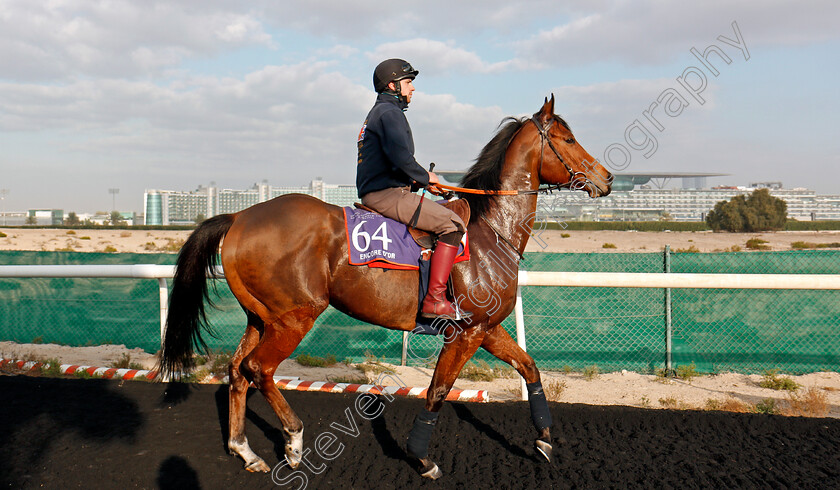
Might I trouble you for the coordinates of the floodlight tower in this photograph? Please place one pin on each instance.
(113, 191)
(3, 194)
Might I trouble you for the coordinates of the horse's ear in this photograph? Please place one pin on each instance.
(547, 111)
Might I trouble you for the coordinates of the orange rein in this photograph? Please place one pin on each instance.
(475, 191)
(437, 189)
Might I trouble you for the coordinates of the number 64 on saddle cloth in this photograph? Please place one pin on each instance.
(376, 241)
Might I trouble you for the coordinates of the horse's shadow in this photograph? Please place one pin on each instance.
(390, 447)
(465, 414)
(393, 449)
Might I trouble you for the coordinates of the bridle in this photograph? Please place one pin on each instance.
(544, 138)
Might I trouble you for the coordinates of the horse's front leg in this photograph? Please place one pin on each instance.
(499, 343)
(459, 346)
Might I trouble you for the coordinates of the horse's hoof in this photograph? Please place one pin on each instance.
(544, 449)
(293, 457)
(431, 471)
(294, 448)
(257, 466)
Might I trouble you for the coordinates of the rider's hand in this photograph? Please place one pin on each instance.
(433, 178)
(433, 189)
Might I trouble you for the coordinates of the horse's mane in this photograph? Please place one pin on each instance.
(486, 172)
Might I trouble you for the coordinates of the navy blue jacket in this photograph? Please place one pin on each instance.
(386, 149)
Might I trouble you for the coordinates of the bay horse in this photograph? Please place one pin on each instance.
(286, 260)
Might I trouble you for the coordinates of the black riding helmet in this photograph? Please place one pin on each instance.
(392, 70)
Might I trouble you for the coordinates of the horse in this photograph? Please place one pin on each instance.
(286, 260)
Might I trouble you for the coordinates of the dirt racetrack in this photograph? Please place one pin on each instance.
(76, 433)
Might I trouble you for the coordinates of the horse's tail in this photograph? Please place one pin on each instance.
(196, 263)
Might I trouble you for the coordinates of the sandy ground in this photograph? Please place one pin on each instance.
(645, 241)
(89, 240)
(156, 241)
(619, 388)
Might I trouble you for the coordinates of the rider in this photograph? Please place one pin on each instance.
(387, 172)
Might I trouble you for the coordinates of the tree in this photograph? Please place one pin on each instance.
(72, 219)
(116, 218)
(31, 220)
(199, 218)
(758, 212)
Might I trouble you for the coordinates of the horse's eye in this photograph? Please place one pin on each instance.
(570, 141)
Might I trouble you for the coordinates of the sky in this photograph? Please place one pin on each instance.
(129, 95)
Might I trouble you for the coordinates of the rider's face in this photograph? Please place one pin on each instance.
(406, 88)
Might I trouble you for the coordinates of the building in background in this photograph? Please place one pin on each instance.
(635, 197)
(647, 197)
(45, 217)
(163, 207)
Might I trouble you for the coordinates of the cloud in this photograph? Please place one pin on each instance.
(438, 57)
(432, 18)
(650, 32)
(58, 40)
(284, 123)
(448, 132)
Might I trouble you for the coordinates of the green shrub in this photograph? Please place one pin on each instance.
(758, 212)
(314, 361)
(628, 225)
(51, 368)
(767, 406)
(608, 245)
(792, 225)
(220, 360)
(690, 250)
(353, 380)
(687, 372)
(810, 245)
(477, 372)
(774, 382)
(124, 362)
(757, 244)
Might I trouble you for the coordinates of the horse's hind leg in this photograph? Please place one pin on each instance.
(499, 343)
(278, 341)
(237, 441)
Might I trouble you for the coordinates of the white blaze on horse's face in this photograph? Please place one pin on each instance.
(566, 161)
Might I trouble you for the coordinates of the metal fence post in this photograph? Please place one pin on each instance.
(667, 269)
(164, 306)
(520, 333)
(404, 348)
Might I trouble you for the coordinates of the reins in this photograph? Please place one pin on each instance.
(544, 138)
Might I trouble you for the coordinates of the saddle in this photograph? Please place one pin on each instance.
(423, 238)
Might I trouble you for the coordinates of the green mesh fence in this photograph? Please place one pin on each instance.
(755, 330)
(612, 328)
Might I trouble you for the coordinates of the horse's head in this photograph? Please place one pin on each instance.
(563, 160)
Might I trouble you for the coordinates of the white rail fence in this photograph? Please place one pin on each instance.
(526, 278)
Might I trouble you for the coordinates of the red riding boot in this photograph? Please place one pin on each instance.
(435, 303)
